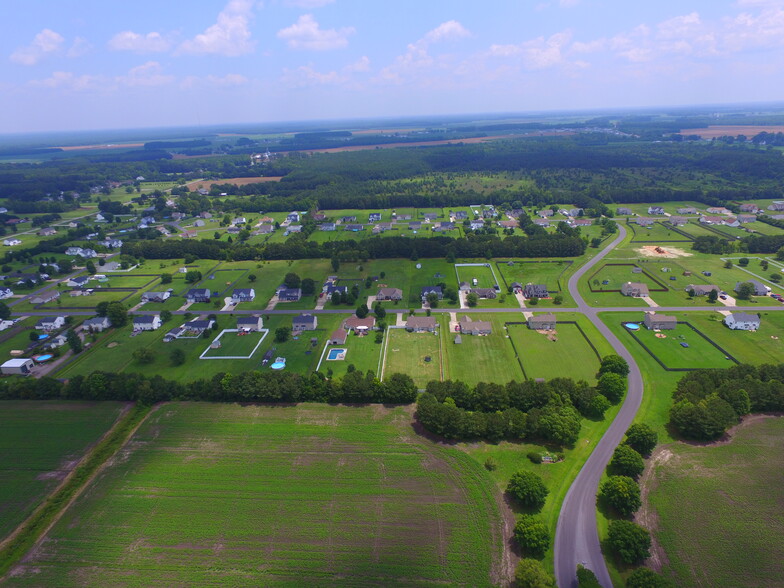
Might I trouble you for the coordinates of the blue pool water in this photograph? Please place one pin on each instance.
(42, 337)
(278, 365)
(336, 354)
(44, 357)
(632, 326)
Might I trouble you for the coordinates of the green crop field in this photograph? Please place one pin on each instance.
(235, 344)
(217, 494)
(666, 345)
(488, 358)
(570, 352)
(718, 509)
(40, 442)
(406, 353)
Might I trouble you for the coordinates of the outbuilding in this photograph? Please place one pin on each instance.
(17, 366)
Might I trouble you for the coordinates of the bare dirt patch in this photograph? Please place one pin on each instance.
(712, 131)
(647, 516)
(207, 184)
(663, 252)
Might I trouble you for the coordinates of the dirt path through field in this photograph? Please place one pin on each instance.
(82, 488)
(646, 516)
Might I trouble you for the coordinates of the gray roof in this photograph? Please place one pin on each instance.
(745, 317)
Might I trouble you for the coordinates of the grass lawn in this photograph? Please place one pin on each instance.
(718, 509)
(40, 442)
(361, 352)
(658, 232)
(279, 496)
(571, 352)
(617, 275)
(484, 275)
(699, 354)
(488, 358)
(406, 352)
(235, 344)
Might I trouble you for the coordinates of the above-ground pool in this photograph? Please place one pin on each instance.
(336, 354)
(278, 365)
(42, 337)
(43, 357)
(632, 326)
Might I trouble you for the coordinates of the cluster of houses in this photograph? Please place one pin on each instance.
(737, 321)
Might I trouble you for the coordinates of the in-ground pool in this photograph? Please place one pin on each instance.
(42, 337)
(632, 326)
(43, 357)
(336, 354)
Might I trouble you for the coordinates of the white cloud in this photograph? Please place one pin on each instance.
(80, 47)
(361, 65)
(306, 75)
(446, 31)
(229, 36)
(227, 81)
(147, 74)
(541, 53)
(67, 80)
(130, 41)
(44, 43)
(307, 34)
(308, 4)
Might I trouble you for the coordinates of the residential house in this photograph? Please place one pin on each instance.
(746, 218)
(319, 217)
(198, 295)
(389, 294)
(421, 324)
(472, 327)
(644, 221)
(426, 290)
(293, 217)
(112, 243)
(5, 293)
(489, 213)
(464, 287)
(264, 230)
(484, 293)
(461, 215)
(430, 216)
(285, 294)
(243, 295)
(3, 210)
(477, 225)
(156, 296)
(403, 217)
(581, 222)
(711, 220)
(78, 281)
(348, 219)
(623, 211)
(233, 230)
(742, 321)
(655, 210)
(55, 342)
(634, 289)
(687, 210)
(11, 242)
(199, 223)
(702, 289)
(45, 297)
(327, 226)
(190, 234)
(677, 221)
(147, 322)
(415, 225)
(545, 212)
(731, 221)
(196, 327)
(206, 215)
(574, 212)
(535, 291)
(88, 253)
(240, 220)
(354, 228)
(250, 324)
(304, 322)
(374, 217)
(760, 289)
(50, 323)
(717, 210)
(777, 205)
(443, 226)
(178, 216)
(338, 337)
(359, 325)
(542, 222)
(333, 288)
(662, 322)
(747, 207)
(508, 224)
(96, 324)
(47, 232)
(542, 322)
(517, 287)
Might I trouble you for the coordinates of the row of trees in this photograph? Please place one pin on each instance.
(708, 402)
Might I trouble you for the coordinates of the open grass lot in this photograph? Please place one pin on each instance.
(699, 354)
(235, 344)
(483, 275)
(488, 358)
(718, 509)
(659, 232)
(617, 275)
(571, 352)
(406, 352)
(551, 273)
(40, 442)
(278, 496)
(361, 352)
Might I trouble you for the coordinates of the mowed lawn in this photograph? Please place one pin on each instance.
(486, 358)
(40, 442)
(219, 494)
(235, 344)
(659, 232)
(406, 353)
(667, 347)
(719, 509)
(361, 352)
(570, 356)
(483, 275)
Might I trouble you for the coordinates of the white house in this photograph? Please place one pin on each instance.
(742, 321)
(243, 295)
(149, 322)
(96, 324)
(11, 242)
(50, 323)
(5, 293)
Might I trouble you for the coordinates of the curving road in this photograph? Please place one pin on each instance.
(576, 536)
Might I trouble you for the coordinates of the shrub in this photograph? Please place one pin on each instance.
(491, 465)
(535, 457)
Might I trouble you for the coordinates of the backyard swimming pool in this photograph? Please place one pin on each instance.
(336, 354)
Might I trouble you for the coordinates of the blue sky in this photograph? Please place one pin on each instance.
(92, 64)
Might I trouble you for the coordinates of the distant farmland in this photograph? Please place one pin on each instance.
(731, 130)
(207, 184)
(210, 494)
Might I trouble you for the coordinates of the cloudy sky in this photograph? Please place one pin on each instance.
(92, 64)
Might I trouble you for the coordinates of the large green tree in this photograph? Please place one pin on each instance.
(117, 314)
(528, 488)
(622, 494)
(612, 386)
(642, 438)
(627, 462)
(629, 541)
(530, 573)
(5, 312)
(614, 364)
(533, 535)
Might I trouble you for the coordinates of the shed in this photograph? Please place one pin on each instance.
(19, 366)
